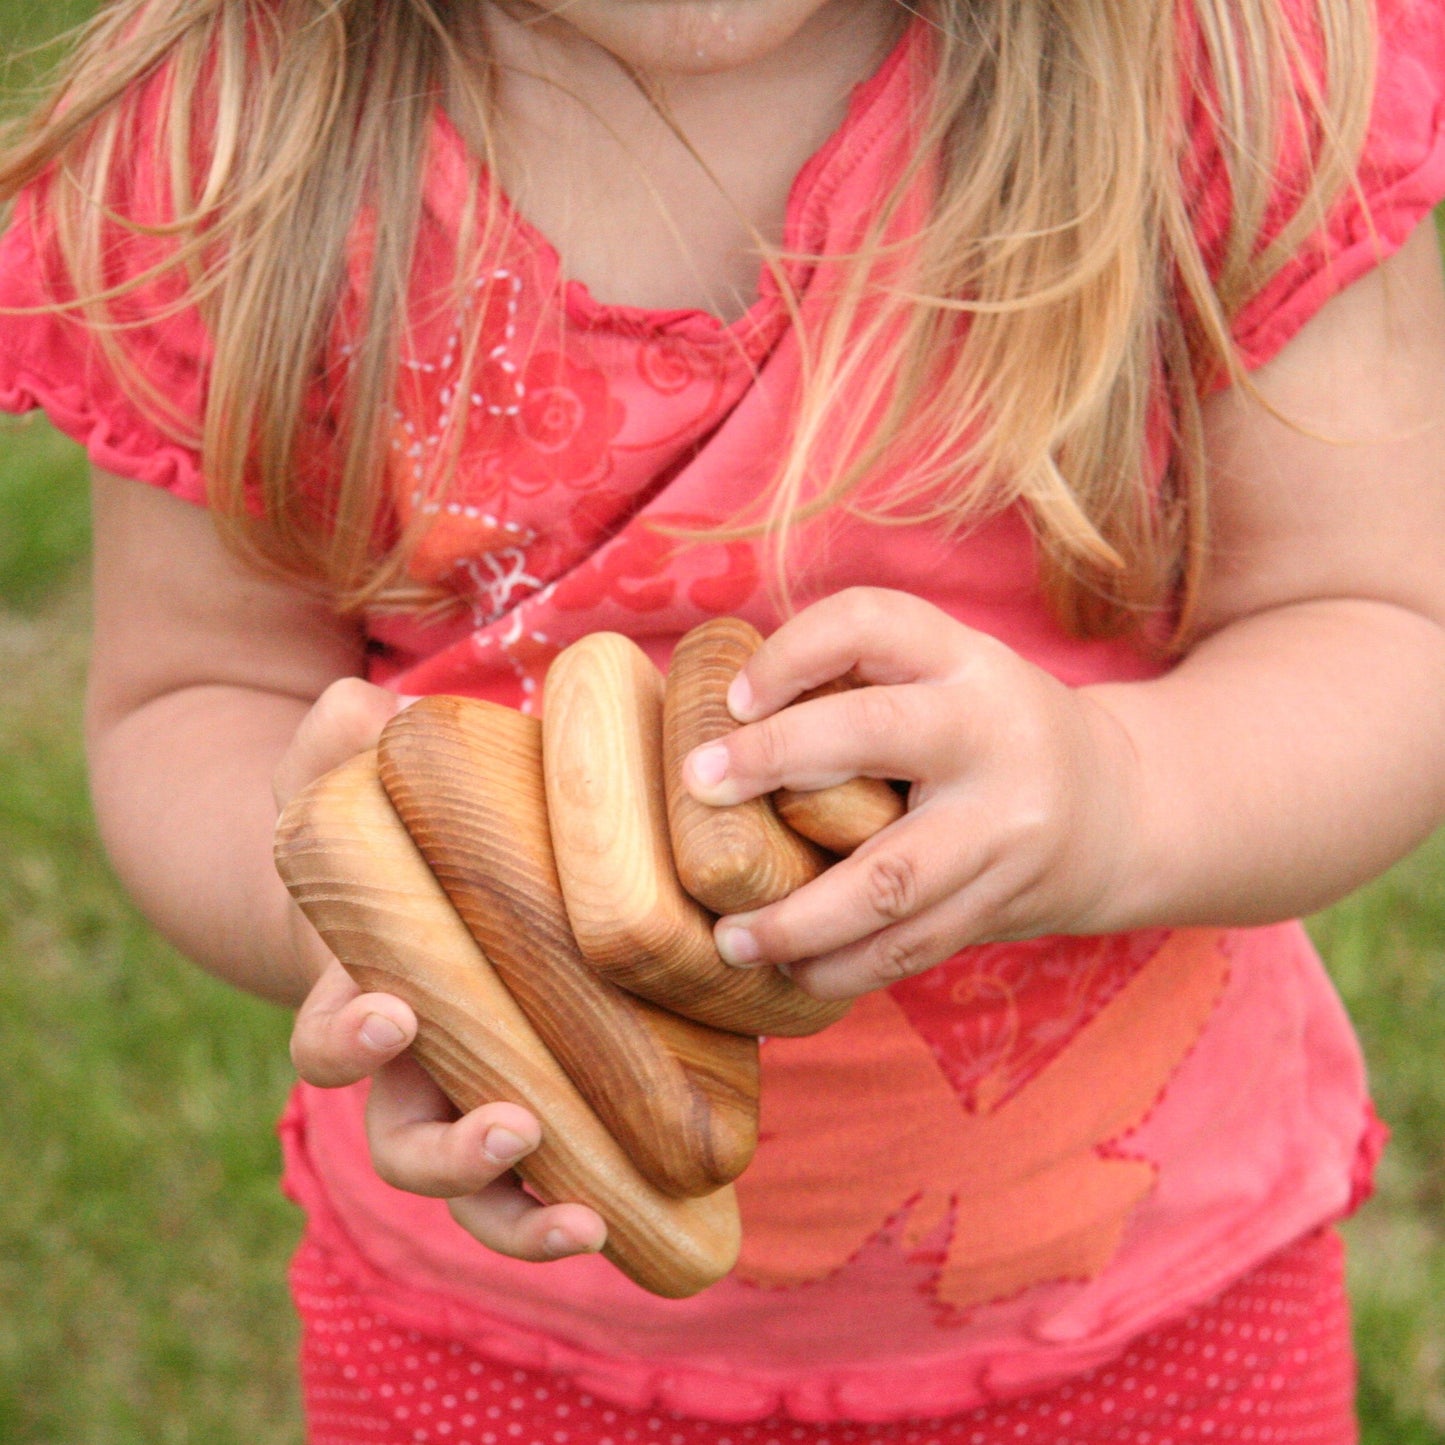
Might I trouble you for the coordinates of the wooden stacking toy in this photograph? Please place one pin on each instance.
(542, 894)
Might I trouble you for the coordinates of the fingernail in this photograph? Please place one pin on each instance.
(380, 1033)
(740, 697)
(737, 946)
(502, 1146)
(558, 1244)
(709, 765)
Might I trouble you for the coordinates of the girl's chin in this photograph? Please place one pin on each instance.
(693, 37)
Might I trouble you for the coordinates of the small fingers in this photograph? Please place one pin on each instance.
(884, 958)
(341, 1035)
(903, 950)
(878, 732)
(418, 1144)
(507, 1219)
(882, 636)
(345, 720)
(893, 878)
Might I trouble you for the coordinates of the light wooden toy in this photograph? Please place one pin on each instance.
(539, 893)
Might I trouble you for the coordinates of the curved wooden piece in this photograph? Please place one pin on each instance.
(843, 817)
(631, 917)
(465, 777)
(847, 815)
(736, 858)
(359, 878)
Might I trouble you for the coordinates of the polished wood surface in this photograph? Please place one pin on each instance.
(362, 882)
(465, 777)
(841, 818)
(606, 803)
(737, 858)
(847, 815)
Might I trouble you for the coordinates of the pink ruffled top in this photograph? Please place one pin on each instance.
(986, 1178)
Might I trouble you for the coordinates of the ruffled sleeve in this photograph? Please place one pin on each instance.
(1401, 177)
(139, 413)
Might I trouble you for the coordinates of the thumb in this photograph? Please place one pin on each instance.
(345, 720)
(342, 1035)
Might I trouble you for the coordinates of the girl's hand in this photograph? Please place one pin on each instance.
(1019, 819)
(1294, 751)
(418, 1142)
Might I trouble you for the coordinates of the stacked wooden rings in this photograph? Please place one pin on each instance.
(542, 895)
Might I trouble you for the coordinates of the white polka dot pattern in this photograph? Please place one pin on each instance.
(1268, 1363)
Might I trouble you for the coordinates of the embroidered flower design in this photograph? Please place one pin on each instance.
(499, 581)
(665, 365)
(560, 433)
(645, 566)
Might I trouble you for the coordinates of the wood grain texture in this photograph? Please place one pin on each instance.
(841, 818)
(736, 858)
(607, 807)
(847, 815)
(465, 777)
(360, 879)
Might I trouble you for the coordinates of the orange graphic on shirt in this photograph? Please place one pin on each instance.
(860, 1126)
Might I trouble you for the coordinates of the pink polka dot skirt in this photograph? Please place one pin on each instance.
(1269, 1363)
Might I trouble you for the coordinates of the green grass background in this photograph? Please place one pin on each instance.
(143, 1242)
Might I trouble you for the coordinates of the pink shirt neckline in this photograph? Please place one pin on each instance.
(873, 105)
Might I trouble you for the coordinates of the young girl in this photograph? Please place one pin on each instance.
(1071, 369)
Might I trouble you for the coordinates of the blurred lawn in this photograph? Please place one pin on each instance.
(142, 1239)
(143, 1242)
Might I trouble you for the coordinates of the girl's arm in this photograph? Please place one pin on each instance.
(1298, 748)
(215, 695)
(200, 674)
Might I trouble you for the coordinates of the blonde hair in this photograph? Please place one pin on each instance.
(1029, 329)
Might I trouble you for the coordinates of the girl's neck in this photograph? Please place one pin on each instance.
(644, 214)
